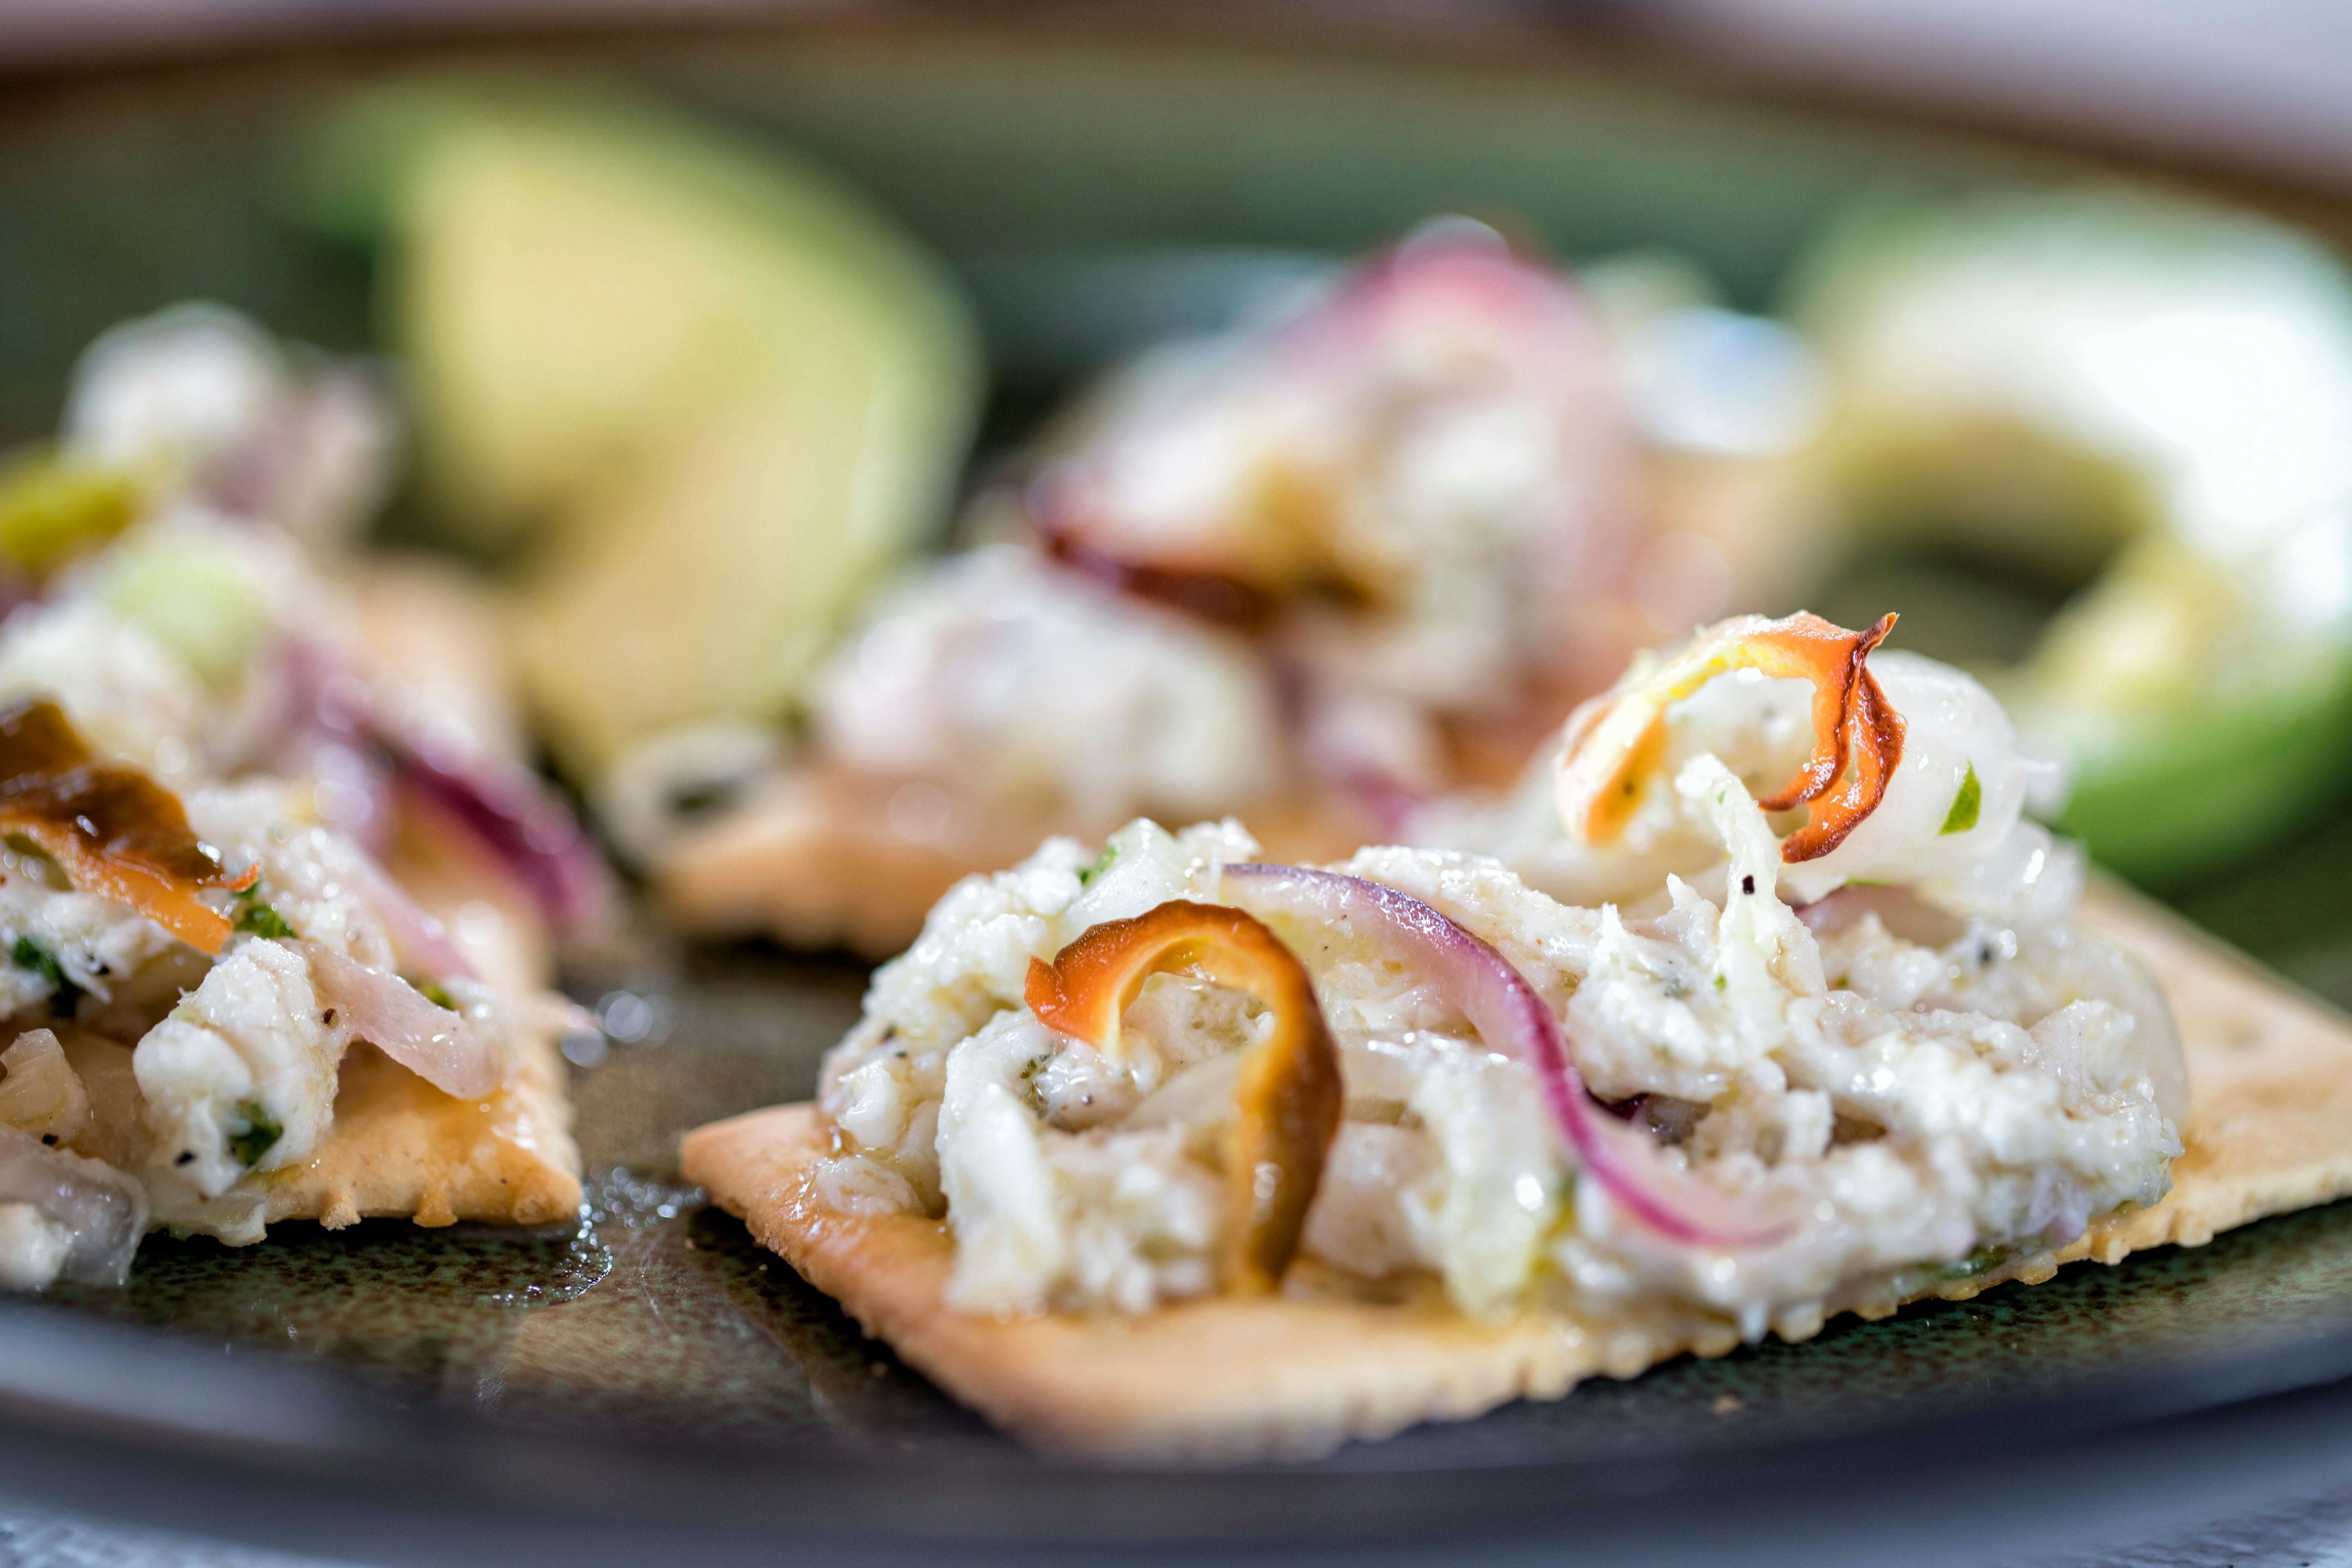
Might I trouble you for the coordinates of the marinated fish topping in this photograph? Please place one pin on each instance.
(1287, 1101)
(1304, 557)
(1742, 1084)
(200, 770)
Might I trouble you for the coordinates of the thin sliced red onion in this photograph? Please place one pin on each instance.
(419, 940)
(456, 1054)
(501, 805)
(519, 819)
(1509, 1017)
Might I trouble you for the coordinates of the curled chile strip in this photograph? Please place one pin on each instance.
(1288, 1104)
(1512, 1019)
(1615, 741)
(112, 830)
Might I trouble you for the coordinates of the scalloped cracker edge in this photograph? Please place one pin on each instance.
(1293, 1375)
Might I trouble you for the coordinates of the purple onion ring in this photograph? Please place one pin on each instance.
(1511, 1018)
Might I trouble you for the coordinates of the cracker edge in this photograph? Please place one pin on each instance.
(1230, 1379)
(1218, 1378)
(399, 1148)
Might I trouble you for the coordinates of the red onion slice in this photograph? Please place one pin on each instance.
(1509, 1017)
(514, 813)
(331, 716)
(454, 1053)
(419, 940)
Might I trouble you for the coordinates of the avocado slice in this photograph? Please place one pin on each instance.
(2151, 400)
(700, 394)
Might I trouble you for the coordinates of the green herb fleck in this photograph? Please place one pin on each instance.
(1102, 863)
(257, 918)
(1964, 804)
(433, 991)
(256, 1137)
(30, 954)
(1720, 982)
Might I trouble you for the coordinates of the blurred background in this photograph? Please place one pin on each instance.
(896, 432)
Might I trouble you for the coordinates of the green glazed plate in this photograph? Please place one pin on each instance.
(647, 1386)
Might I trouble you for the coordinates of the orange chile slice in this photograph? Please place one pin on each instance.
(1614, 740)
(1286, 1106)
(112, 830)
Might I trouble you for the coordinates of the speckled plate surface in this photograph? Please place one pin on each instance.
(651, 1370)
(647, 1386)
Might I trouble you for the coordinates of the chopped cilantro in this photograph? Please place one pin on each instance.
(1964, 804)
(258, 919)
(30, 954)
(258, 1136)
(433, 991)
(1102, 863)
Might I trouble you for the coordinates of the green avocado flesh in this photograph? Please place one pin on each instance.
(2216, 786)
(2127, 408)
(704, 396)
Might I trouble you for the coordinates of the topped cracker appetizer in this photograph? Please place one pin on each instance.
(240, 788)
(1766, 1002)
(1308, 569)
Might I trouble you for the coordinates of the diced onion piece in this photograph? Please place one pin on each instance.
(41, 1093)
(456, 1053)
(112, 830)
(1616, 738)
(102, 1212)
(1511, 1019)
(1287, 1100)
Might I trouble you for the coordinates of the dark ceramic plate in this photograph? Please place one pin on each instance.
(649, 1385)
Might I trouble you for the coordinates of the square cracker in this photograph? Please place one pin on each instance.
(397, 1146)
(1295, 1374)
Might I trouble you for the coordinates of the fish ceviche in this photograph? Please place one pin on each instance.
(1305, 569)
(203, 767)
(1762, 1000)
